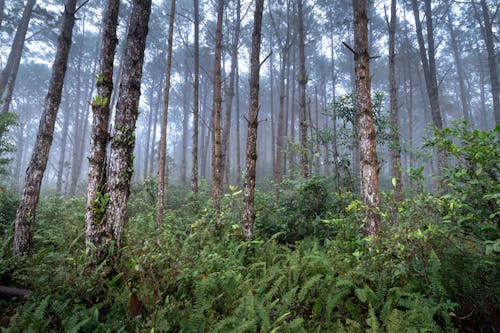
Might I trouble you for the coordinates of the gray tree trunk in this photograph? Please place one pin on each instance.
(123, 139)
(253, 122)
(217, 149)
(395, 141)
(304, 161)
(196, 96)
(97, 196)
(9, 73)
(26, 213)
(162, 149)
(366, 131)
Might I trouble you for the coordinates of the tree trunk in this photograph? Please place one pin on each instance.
(185, 123)
(253, 122)
(217, 150)
(304, 162)
(196, 99)
(25, 216)
(123, 140)
(230, 94)
(238, 136)
(64, 138)
(97, 198)
(9, 73)
(366, 131)
(162, 150)
(395, 142)
(459, 68)
(492, 63)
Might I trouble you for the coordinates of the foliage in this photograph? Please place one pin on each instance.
(6, 120)
(309, 268)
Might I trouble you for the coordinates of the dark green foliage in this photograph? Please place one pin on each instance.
(310, 269)
(6, 120)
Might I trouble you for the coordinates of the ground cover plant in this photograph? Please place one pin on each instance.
(309, 268)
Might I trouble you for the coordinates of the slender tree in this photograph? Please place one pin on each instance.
(95, 224)
(366, 131)
(9, 74)
(162, 149)
(492, 61)
(304, 163)
(25, 216)
(196, 94)
(395, 143)
(217, 150)
(253, 122)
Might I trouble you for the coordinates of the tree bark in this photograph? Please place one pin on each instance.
(9, 74)
(162, 149)
(492, 63)
(185, 123)
(304, 161)
(459, 67)
(123, 140)
(196, 94)
(26, 213)
(64, 138)
(217, 150)
(429, 69)
(395, 141)
(253, 122)
(97, 198)
(366, 132)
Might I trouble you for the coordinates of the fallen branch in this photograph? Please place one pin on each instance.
(8, 292)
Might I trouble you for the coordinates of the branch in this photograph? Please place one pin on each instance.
(83, 4)
(350, 48)
(265, 59)
(9, 293)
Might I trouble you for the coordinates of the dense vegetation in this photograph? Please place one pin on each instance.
(309, 269)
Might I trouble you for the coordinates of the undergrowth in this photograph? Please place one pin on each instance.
(309, 268)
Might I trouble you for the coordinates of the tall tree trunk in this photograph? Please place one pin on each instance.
(196, 94)
(153, 139)
(492, 62)
(162, 150)
(2, 10)
(366, 132)
(97, 198)
(238, 136)
(253, 122)
(127, 109)
(395, 142)
(64, 138)
(429, 68)
(459, 67)
(185, 123)
(26, 213)
(149, 128)
(304, 162)
(230, 94)
(217, 150)
(9, 73)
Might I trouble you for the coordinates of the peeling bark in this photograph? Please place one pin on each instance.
(366, 131)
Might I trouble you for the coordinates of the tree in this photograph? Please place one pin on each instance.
(366, 131)
(127, 110)
(217, 151)
(196, 96)
(26, 213)
(95, 226)
(162, 150)
(302, 92)
(394, 144)
(428, 59)
(9, 74)
(492, 62)
(253, 122)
